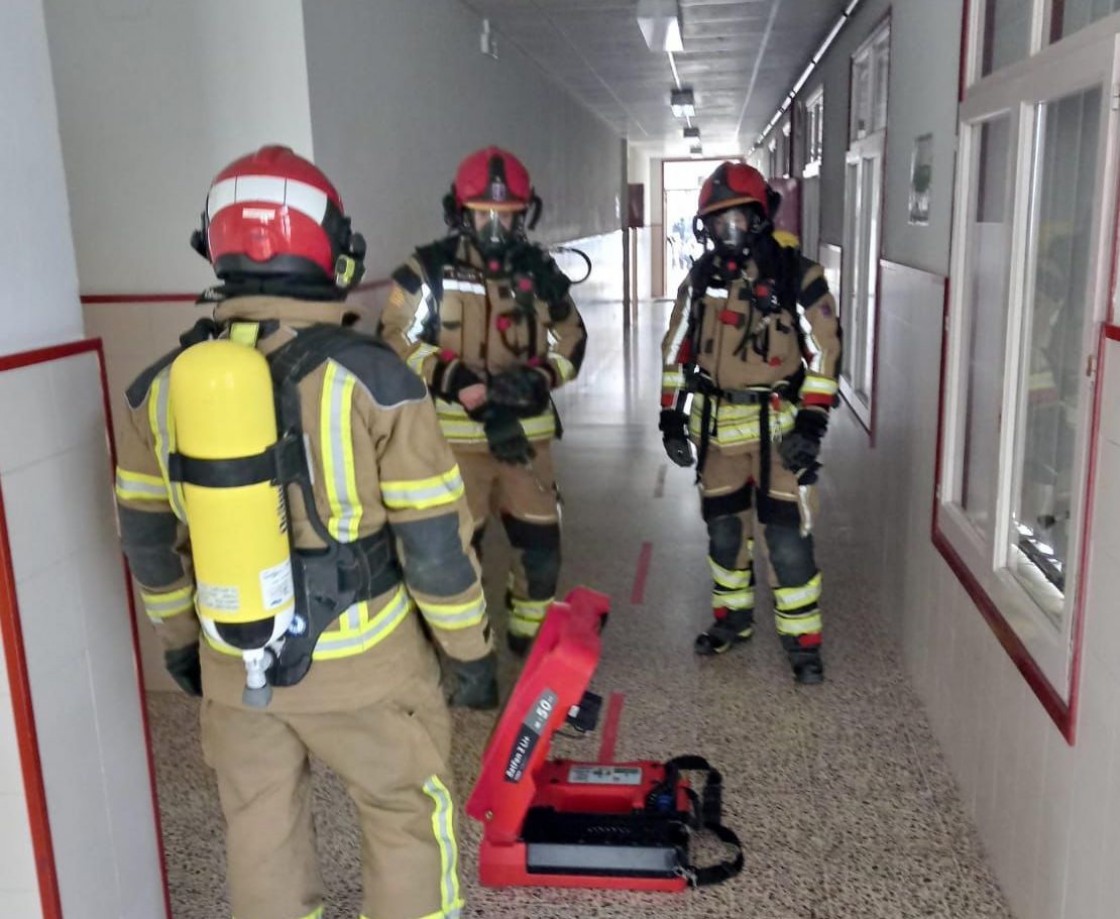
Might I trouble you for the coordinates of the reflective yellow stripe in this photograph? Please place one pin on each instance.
(161, 606)
(136, 486)
(418, 355)
(337, 445)
(808, 624)
(526, 616)
(458, 427)
(565, 369)
(357, 632)
(159, 420)
(454, 615)
(738, 424)
(421, 494)
(672, 379)
(443, 828)
(794, 597)
(726, 577)
(819, 386)
(245, 333)
(733, 599)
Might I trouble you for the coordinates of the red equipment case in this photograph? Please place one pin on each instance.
(560, 823)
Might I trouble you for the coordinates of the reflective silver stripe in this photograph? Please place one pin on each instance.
(343, 644)
(418, 355)
(139, 487)
(443, 829)
(466, 287)
(820, 385)
(454, 615)
(808, 624)
(793, 597)
(730, 578)
(264, 189)
(424, 493)
(337, 445)
(159, 411)
(163, 606)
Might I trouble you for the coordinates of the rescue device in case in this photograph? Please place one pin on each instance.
(562, 823)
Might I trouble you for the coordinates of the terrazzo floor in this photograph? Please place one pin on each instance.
(841, 797)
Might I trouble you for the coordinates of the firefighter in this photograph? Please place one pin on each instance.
(754, 344)
(379, 511)
(486, 318)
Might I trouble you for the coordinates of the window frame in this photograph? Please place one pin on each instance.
(1047, 654)
(868, 145)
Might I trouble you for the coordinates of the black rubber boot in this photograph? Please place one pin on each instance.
(728, 630)
(519, 644)
(805, 658)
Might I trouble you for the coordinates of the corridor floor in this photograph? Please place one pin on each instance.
(839, 792)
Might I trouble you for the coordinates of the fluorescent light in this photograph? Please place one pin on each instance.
(660, 22)
(692, 131)
(696, 151)
(682, 102)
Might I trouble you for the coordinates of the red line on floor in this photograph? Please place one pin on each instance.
(638, 594)
(610, 727)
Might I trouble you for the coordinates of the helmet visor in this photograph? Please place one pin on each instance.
(493, 228)
(728, 229)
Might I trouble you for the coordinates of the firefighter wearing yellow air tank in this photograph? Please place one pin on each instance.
(486, 318)
(298, 572)
(754, 345)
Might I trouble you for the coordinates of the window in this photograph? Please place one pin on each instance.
(812, 153)
(1071, 15)
(870, 68)
(1006, 31)
(863, 202)
(1030, 274)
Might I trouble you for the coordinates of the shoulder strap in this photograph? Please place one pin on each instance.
(708, 818)
(433, 258)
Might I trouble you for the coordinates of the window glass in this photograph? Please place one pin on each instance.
(1071, 15)
(1007, 26)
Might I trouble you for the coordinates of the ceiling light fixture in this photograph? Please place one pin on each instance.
(683, 102)
(660, 22)
(696, 151)
(692, 131)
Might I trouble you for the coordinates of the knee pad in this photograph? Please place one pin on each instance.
(539, 545)
(725, 538)
(791, 555)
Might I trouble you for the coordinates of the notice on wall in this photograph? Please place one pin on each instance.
(921, 177)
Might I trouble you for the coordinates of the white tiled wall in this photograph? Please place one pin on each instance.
(1049, 814)
(78, 643)
(19, 890)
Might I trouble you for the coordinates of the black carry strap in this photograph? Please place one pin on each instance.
(707, 817)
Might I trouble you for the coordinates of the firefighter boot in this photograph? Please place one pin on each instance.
(731, 627)
(804, 652)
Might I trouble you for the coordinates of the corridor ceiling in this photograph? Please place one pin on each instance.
(740, 57)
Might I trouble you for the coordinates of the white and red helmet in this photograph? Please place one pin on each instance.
(274, 214)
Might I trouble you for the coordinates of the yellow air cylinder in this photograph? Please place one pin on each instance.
(222, 408)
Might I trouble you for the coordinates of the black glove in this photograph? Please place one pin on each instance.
(674, 435)
(524, 391)
(477, 683)
(506, 437)
(801, 447)
(185, 669)
(451, 378)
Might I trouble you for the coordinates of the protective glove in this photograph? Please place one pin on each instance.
(450, 378)
(524, 391)
(185, 668)
(801, 447)
(674, 435)
(506, 437)
(477, 683)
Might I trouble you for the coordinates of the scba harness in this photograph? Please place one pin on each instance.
(325, 582)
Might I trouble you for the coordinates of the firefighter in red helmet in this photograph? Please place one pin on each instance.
(376, 533)
(754, 346)
(486, 318)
